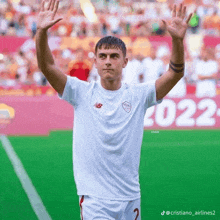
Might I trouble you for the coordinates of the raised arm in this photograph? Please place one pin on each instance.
(177, 28)
(44, 56)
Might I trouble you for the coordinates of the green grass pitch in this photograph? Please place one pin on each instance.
(179, 171)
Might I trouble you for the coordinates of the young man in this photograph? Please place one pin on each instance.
(109, 118)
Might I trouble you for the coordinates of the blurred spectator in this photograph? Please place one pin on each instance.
(217, 52)
(80, 67)
(153, 67)
(2, 71)
(22, 8)
(212, 23)
(104, 26)
(12, 27)
(206, 75)
(31, 22)
(22, 70)
(35, 76)
(3, 25)
(39, 78)
(114, 23)
(179, 90)
(93, 74)
(22, 30)
(217, 56)
(134, 69)
(189, 68)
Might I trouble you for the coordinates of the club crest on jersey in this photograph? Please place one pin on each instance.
(126, 106)
(98, 105)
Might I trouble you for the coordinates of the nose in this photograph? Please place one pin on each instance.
(107, 61)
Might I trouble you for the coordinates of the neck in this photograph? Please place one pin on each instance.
(111, 85)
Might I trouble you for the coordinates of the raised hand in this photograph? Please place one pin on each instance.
(177, 26)
(46, 16)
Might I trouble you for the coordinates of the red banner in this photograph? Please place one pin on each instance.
(11, 44)
(211, 41)
(38, 115)
(41, 114)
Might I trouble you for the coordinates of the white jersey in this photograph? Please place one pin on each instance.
(206, 88)
(132, 71)
(93, 74)
(152, 68)
(107, 136)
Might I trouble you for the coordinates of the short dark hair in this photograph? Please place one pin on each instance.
(111, 42)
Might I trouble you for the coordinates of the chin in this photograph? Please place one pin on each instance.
(108, 78)
(108, 75)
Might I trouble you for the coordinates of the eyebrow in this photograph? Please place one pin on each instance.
(100, 54)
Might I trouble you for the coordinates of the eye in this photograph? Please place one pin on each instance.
(101, 56)
(114, 56)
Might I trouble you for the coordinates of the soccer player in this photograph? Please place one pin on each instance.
(109, 118)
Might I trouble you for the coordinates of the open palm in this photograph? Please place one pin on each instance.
(46, 16)
(177, 26)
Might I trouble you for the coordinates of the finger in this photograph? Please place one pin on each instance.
(165, 23)
(188, 19)
(174, 11)
(184, 12)
(59, 19)
(42, 6)
(48, 7)
(180, 10)
(54, 22)
(52, 5)
(56, 7)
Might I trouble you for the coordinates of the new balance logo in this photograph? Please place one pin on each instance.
(98, 105)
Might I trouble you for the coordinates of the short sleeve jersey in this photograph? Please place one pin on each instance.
(107, 136)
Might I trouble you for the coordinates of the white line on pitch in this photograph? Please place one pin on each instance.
(28, 187)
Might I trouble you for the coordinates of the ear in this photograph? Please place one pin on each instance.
(95, 62)
(125, 62)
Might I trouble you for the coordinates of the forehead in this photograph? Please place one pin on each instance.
(109, 51)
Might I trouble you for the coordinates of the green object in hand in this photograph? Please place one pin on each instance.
(194, 21)
(155, 27)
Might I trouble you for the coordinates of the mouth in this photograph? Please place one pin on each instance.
(107, 69)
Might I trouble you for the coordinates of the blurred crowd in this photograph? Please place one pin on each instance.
(120, 18)
(204, 70)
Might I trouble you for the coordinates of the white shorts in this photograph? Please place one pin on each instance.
(98, 209)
